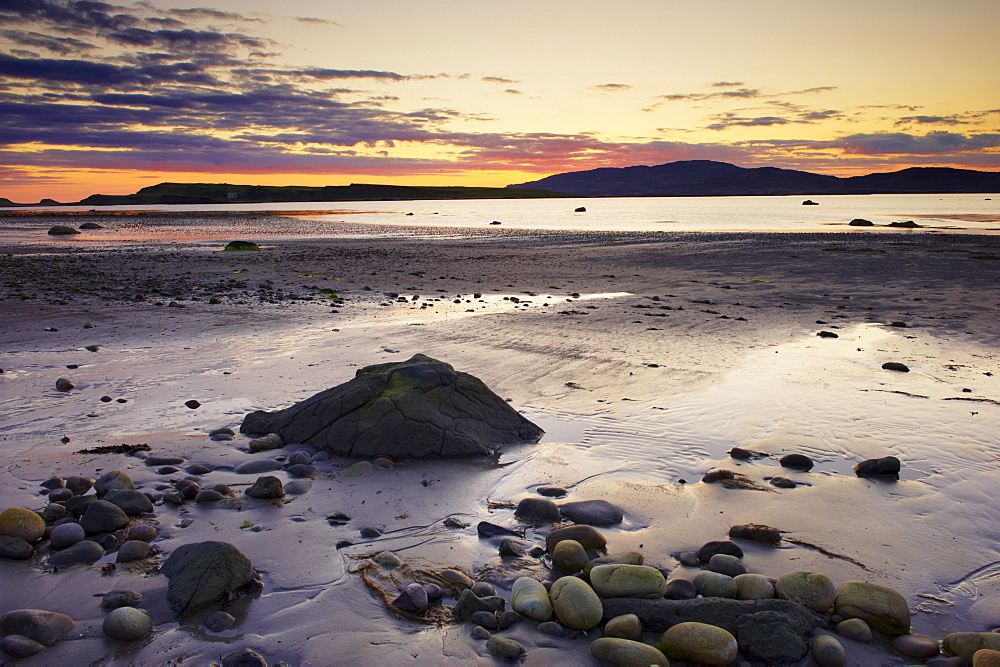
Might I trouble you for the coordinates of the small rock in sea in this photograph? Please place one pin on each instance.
(116, 599)
(699, 643)
(192, 404)
(62, 230)
(257, 467)
(219, 621)
(827, 334)
(133, 550)
(551, 491)
(484, 589)
(529, 597)
(266, 488)
(885, 466)
(753, 587)
(896, 366)
(39, 625)
(369, 532)
(796, 462)
(580, 209)
(857, 630)
(511, 548)
(208, 496)
(680, 589)
(84, 551)
(105, 399)
(709, 549)
(717, 476)
(13, 548)
(79, 485)
(21, 523)
(740, 454)
(102, 516)
(505, 649)
(19, 646)
(756, 533)
(267, 442)
(827, 651)
(812, 589)
(592, 512)
(245, 657)
(479, 632)
(715, 585)
(537, 511)
(783, 483)
(899, 324)
(919, 647)
(413, 598)
(485, 619)
(62, 384)
(861, 222)
(569, 556)
(726, 564)
(487, 529)
(551, 628)
(909, 224)
(612, 650)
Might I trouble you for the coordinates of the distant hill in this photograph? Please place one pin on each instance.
(222, 193)
(6, 202)
(692, 178)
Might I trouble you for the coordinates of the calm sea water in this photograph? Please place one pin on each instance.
(978, 213)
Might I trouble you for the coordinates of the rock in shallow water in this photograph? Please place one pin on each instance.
(537, 510)
(205, 573)
(592, 512)
(438, 411)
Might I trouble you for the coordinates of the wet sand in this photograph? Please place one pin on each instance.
(645, 357)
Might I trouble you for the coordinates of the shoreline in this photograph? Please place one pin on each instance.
(645, 378)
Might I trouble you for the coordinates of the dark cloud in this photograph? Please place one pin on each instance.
(210, 14)
(740, 93)
(499, 80)
(901, 143)
(612, 87)
(727, 84)
(60, 45)
(930, 120)
(312, 19)
(183, 40)
(511, 91)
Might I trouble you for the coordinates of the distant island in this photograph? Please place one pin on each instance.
(223, 193)
(687, 178)
(706, 178)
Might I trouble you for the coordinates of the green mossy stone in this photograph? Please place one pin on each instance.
(699, 643)
(884, 609)
(239, 246)
(619, 580)
(529, 597)
(626, 653)
(624, 557)
(21, 523)
(966, 644)
(569, 556)
(813, 589)
(576, 605)
(626, 626)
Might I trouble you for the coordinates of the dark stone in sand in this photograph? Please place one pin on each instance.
(241, 245)
(19, 646)
(413, 598)
(469, 603)
(887, 466)
(193, 404)
(810, 202)
(511, 548)
(130, 502)
(102, 516)
(133, 550)
(487, 529)
(60, 494)
(62, 384)
(485, 619)
(259, 466)
(580, 209)
(740, 454)
(909, 224)
(77, 505)
(114, 479)
(592, 512)
(680, 589)
(13, 548)
(588, 536)
(85, 551)
(79, 485)
(783, 483)
(301, 470)
(896, 366)
(208, 496)
(718, 476)
(899, 324)
(44, 627)
(244, 657)
(827, 334)
(116, 599)
(206, 573)
(551, 491)
(709, 549)
(369, 532)
(91, 225)
(417, 408)
(197, 469)
(537, 511)
(756, 533)
(62, 230)
(53, 483)
(219, 621)
(268, 488)
(164, 460)
(768, 631)
(861, 222)
(796, 462)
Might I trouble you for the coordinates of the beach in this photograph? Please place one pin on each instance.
(646, 357)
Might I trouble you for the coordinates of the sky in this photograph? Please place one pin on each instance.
(108, 98)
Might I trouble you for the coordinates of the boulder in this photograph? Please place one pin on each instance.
(592, 512)
(14, 548)
(624, 557)
(44, 627)
(127, 624)
(130, 502)
(730, 566)
(529, 597)
(62, 230)
(66, 534)
(576, 605)
(266, 488)
(83, 552)
(416, 408)
(115, 479)
(588, 536)
(699, 643)
(205, 573)
(626, 653)
(756, 533)
(715, 585)
(469, 603)
(966, 644)
(920, 647)
(236, 246)
(102, 516)
(753, 587)
(19, 646)
(813, 589)
(537, 511)
(709, 549)
(827, 651)
(21, 523)
(861, 222)
(885, 466)
(884, 609)
(627, 581)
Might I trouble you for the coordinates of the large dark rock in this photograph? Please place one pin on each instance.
(767, 631)
(416, 408)
(206, 573)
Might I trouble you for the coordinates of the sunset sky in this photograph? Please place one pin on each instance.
(109, 98)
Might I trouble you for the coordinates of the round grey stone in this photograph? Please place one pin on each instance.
(134, 550)
(127, 624)
(680, 589)
(84, 551)
(256, 467)
(102, 516)
(115, 479)
(219, 621)
(266, 488)
(14, 548)
(208, 496)
(19, 646)
(143, 531)
(66, 534)
(726, 564)
(855, 629)
(130, 502)
(715, 585)
(828, 652)
(592, 512)
(297, 487)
